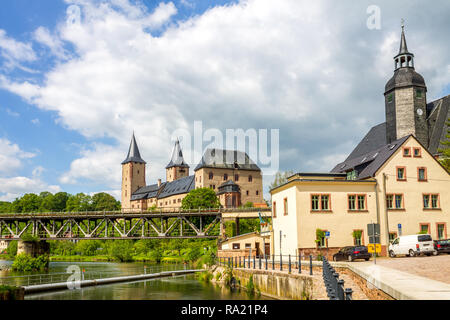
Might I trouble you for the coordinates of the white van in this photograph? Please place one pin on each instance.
(412, 245)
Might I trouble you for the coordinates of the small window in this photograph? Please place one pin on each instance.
(274, 208)
(441, 231)
(257, 192)
(417, 152)
(325, 202)
(401, 173)
(285, 206)
(236, 177)
(351, 202)
(248, 246)
(320, 202)
(431, 201)
(211, 176)
(419, 93)
(422, 174)
(361, 202)
(423, 229)
(225, 177)
(250, 178)
(398, 201)
(389, 201)
(407, 152)
(236, 246)
(247, 192)
(389, 97)
(315, 202)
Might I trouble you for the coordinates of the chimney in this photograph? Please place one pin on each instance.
(159, 182)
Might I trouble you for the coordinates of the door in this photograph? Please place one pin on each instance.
(257, 249)
(267, 249)
(395, 246)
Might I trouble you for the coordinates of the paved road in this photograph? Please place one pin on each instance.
(433, 267)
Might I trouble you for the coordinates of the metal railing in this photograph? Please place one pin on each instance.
(290, 263)
(334, 285)
(47, 278)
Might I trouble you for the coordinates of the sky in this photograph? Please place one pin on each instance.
(77, 77)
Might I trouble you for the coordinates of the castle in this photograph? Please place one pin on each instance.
(236, 179)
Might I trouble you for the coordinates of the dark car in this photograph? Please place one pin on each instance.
(352, 253)
(442, 246)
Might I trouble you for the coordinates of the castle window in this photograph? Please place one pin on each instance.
(250, 179)
(419, 93)
(247, 192)
(257, 192)
(236, 177)
(389, 97)
(211, 176)
(225, 177)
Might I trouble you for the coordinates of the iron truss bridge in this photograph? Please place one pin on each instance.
(160, 224)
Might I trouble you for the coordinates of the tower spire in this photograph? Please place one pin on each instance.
(177, 159)
(404, 58)
(133, 152)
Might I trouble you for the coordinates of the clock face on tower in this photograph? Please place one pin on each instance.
(419, 112)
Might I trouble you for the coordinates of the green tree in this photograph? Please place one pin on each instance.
(30, 202)
(200, 198)
(445, 158)
(59, 201)
(280, 178)
(87, 247)
(79, 202)
(122, 250)
(5, 207)
(47, 203)
(103, 201)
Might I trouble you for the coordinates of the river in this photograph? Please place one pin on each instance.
(175, 288)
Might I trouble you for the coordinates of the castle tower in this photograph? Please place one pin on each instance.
(405, 99)
(176, 168)
(133, 174)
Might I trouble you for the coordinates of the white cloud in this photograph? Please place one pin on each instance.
(312, 69)
(15, 52)
(12, 188)
(56, 46)
(11, 156)
(35, 122)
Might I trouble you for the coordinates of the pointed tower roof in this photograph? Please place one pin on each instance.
(177, 159)
(403, 46)
(133, 153)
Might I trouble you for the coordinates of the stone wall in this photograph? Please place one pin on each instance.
(278, 285)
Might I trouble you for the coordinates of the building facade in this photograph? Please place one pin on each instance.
(392, 178)
(218, 169)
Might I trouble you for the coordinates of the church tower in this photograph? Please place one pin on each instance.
(133, 174)
(176, 168)
(405, 99)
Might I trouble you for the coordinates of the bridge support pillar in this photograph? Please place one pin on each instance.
(33, 248)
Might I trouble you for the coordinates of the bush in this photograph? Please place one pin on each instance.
(156, 255)
(25, 262)
(122, 250)
(11, 251)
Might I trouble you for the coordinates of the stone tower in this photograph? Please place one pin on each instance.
(133, 174)
(176, 168)
(405, 99)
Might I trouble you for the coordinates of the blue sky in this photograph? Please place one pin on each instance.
(71, 94)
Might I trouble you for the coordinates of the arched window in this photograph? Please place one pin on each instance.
(225, 177)
(250, 178)
(211, 176)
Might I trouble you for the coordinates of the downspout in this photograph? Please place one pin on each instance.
(386, 211)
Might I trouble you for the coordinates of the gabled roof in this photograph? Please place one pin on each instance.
(438, 113)
(133, 153)
(374, 139)
(179, 186)
(368, 164)
(226, 159)
(177, 159)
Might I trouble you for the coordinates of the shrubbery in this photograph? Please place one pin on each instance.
(25, 262)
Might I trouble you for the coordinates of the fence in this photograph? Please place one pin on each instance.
(334, 285)
(288, 263)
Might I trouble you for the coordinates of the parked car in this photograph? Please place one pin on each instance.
(352, 253)
(412, 245)
(441, 246)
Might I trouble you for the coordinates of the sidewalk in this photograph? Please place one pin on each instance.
(401, 285)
